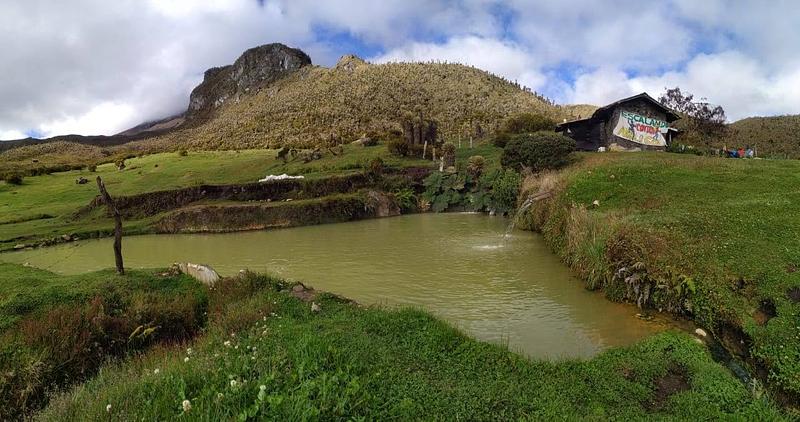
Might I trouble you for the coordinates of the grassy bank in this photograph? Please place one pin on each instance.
(43, 207)
(268, 355)
(57, 330)
(715, 239)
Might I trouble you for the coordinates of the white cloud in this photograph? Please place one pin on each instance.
(7, 135)
(102, 118)
(97, 66)
(742, 85)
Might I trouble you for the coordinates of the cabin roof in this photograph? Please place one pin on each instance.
(605, 111)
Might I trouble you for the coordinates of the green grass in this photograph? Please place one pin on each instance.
(732, 225)
(22, 208)
(57, 330)
(269, 356)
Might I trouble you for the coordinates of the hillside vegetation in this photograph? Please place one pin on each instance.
(775, 137)
(714, 239)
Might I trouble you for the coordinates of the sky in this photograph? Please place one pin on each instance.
(99, 67)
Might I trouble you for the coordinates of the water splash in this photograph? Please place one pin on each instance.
(515, 218)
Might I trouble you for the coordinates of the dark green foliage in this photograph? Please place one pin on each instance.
(92, 168)
(527, 123)
(13, 178)
(494, 191)
(538, 151)
(183, 153)
(504, 190)
(444, 190)
(406, 199)
(522, 123)
(398, 147)
(501, 139)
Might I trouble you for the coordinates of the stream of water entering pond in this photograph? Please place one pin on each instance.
(512, 291)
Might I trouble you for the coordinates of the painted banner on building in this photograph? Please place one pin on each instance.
(640, 129)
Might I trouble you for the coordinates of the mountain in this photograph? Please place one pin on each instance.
(273, 95)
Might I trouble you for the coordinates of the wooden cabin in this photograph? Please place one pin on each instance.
(631, 124)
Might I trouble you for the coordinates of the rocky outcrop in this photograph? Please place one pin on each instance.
(254, 69)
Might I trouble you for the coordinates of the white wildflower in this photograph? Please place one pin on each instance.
(186, 359)
(233, 383)
(156, 371)
(227, 343)
(189, 351)
(262, 387)
(187, 405)
(108, 408)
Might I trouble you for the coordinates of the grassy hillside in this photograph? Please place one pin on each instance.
(315, 105)
(267, 355)
(777, 136)
(712, 238)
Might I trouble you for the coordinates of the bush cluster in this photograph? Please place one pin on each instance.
(538, 151)
(522, 123)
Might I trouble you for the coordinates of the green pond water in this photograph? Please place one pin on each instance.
(506, 289)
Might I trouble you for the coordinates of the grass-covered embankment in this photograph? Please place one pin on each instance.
(715, 239)
(57, 330)
(43, 208)
(268, 355)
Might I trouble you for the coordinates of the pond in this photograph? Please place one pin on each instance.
(461, 267)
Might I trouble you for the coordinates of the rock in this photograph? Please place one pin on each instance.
(315, 307)
(700, 332)
(382, 204)
(596, 203)
(298, 288)
(66, 237)
(254, 69)
(349, 63)
(202, 273)
(81, 180)
(20, 246)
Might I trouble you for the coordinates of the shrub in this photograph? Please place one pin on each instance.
(475, 165)
(539, 151)
(398, 148)
(527, 123)
(406, 200)
(501, 139)
(449, 154)
(13, 178)
(183, 153)
(504, 191)
(375, 168)
(92, 168)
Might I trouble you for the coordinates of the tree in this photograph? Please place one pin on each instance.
(703, 122)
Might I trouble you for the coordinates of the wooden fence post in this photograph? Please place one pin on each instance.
(117, 225)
